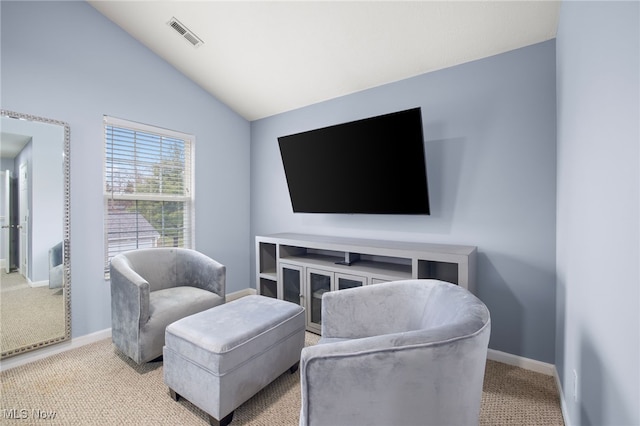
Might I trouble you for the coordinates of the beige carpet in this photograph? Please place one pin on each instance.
(95, 385)
(28, 315)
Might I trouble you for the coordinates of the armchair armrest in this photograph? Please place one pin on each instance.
(393, 374)
(201, 271)
(129, 296)
(348, 368)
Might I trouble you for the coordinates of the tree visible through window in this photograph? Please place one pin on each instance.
(148, 188)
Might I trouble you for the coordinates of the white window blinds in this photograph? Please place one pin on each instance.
(148, 187)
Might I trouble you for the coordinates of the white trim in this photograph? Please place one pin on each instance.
(563, 402)
(148, 197)
(522, 362)
(48, 351)
(44, 283)
(147, 128)
(241, 293)
(492, 354)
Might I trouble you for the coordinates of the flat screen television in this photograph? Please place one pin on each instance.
(371, 166)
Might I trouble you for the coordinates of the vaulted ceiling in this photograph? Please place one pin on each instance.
(263, 58)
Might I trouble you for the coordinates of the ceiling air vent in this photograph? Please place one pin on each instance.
(185, 32)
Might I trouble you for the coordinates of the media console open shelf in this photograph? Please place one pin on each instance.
(300, 268)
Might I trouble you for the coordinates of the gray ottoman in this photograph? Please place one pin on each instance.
(219, 358)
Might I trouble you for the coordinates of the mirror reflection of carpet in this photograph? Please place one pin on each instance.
(28, 315)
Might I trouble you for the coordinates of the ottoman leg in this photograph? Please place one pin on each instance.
(224, 422)
(294, 367)
(174, 395)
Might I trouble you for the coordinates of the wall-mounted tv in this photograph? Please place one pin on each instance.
(372, 166)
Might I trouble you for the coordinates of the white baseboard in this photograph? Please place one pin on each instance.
(241, 293)
(48, 351)
(34, 284)
(43, 283)
(522, 362)
(492, 354)
(563, 401)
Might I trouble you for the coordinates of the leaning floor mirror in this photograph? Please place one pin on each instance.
(35, 296)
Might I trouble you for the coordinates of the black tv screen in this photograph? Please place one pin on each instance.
(372, 166)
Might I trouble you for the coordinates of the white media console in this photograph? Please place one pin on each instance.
(299, 268)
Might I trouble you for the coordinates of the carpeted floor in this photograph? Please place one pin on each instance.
(28, 315)
(96, 385)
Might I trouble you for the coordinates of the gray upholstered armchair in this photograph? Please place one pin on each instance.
(151, 288)
(56, 269)
(400, 353)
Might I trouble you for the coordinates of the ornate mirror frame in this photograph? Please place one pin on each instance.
(66, 257)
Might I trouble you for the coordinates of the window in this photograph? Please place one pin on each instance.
(148, 187)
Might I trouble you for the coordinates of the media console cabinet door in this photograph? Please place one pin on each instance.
(344, 281)
(291, 281)
(318, 283)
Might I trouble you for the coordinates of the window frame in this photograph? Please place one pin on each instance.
(189, 163)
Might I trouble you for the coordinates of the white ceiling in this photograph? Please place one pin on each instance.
(11, 144)
(263, 58)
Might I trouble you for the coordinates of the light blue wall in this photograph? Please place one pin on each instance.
(598, 324)
(64, 60)
(490, 132)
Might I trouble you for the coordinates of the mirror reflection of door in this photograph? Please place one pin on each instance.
(23, 214)
(5, 220)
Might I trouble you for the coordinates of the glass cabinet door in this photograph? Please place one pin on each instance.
(344, 281)
(291, 283)
(318, 283)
